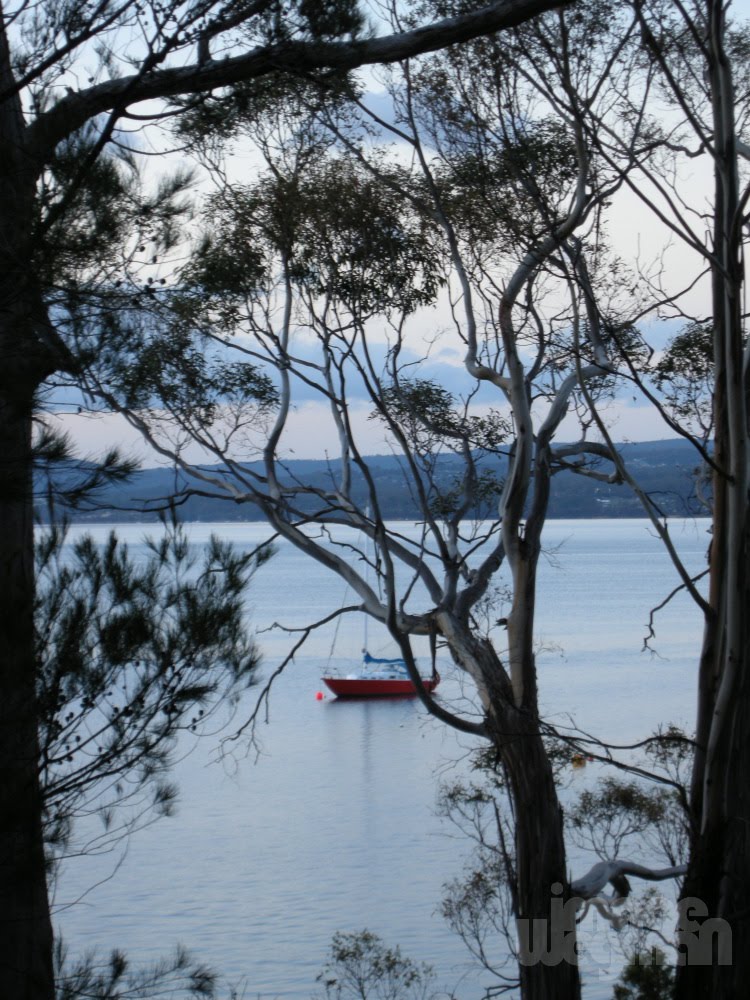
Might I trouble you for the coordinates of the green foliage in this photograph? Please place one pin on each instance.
(561, 754)
(102, 257)
(612, 796)
(84, 203)
(360, 243)
(288, 104)
(329, 19)
(155, 354)
(606, 817)
(423, 410)
(671, 750)
(96, 219)
(432, 421)
(646, 977)
(171, 368)
(478, 905)
(114, 978)
(507, 171)
(607, 814)
(685, 374)
(476, 495)
(319, 20)
(361, 967)
(513, 188)
(337, 231)
(130, 653)
(102, 251)
(230, 262)
(430, 416)
(61, 479)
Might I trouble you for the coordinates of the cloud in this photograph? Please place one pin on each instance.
(311, 433)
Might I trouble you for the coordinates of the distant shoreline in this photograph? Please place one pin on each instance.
(666, 471)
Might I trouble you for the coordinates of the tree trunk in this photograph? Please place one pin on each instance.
(546, 920)
(547, 931)
(25, 926)
(716, 935)
(548, 961)
(550, 966)
(715, 931)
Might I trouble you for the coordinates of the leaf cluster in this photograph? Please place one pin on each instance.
(685, 375)
(283, 21)
(359, 243)
(115, 978)
(646, 977)
(60, 479)
(95, 219)
(478, 905)
(130, 653)
(476, 493)
(608, 816)
(430, 415)
(513, 188)
(361, 967)
(337, 231)
(170, 368)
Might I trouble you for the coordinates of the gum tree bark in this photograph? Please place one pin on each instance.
(718, 872)
(25, 927)
(540, 859)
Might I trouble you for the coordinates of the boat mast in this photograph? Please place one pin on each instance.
(367, 573)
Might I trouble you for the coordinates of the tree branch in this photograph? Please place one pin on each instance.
(74, 110)
(614, 872)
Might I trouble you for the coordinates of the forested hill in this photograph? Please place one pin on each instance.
(667, 470)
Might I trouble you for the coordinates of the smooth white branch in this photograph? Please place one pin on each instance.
(614, 873)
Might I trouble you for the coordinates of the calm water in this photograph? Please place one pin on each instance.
(331, 826)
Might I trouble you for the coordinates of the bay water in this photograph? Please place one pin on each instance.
(327, 821)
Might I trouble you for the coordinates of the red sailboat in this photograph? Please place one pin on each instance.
(378, 678)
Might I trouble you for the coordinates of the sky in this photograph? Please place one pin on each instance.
(310, 432)
(311, 435)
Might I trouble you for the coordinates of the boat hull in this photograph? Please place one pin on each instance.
(374, 687)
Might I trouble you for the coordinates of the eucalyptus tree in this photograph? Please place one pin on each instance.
(70, 76)
(691, 110)
(318, 272)
(677, 132)
(613, 818)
